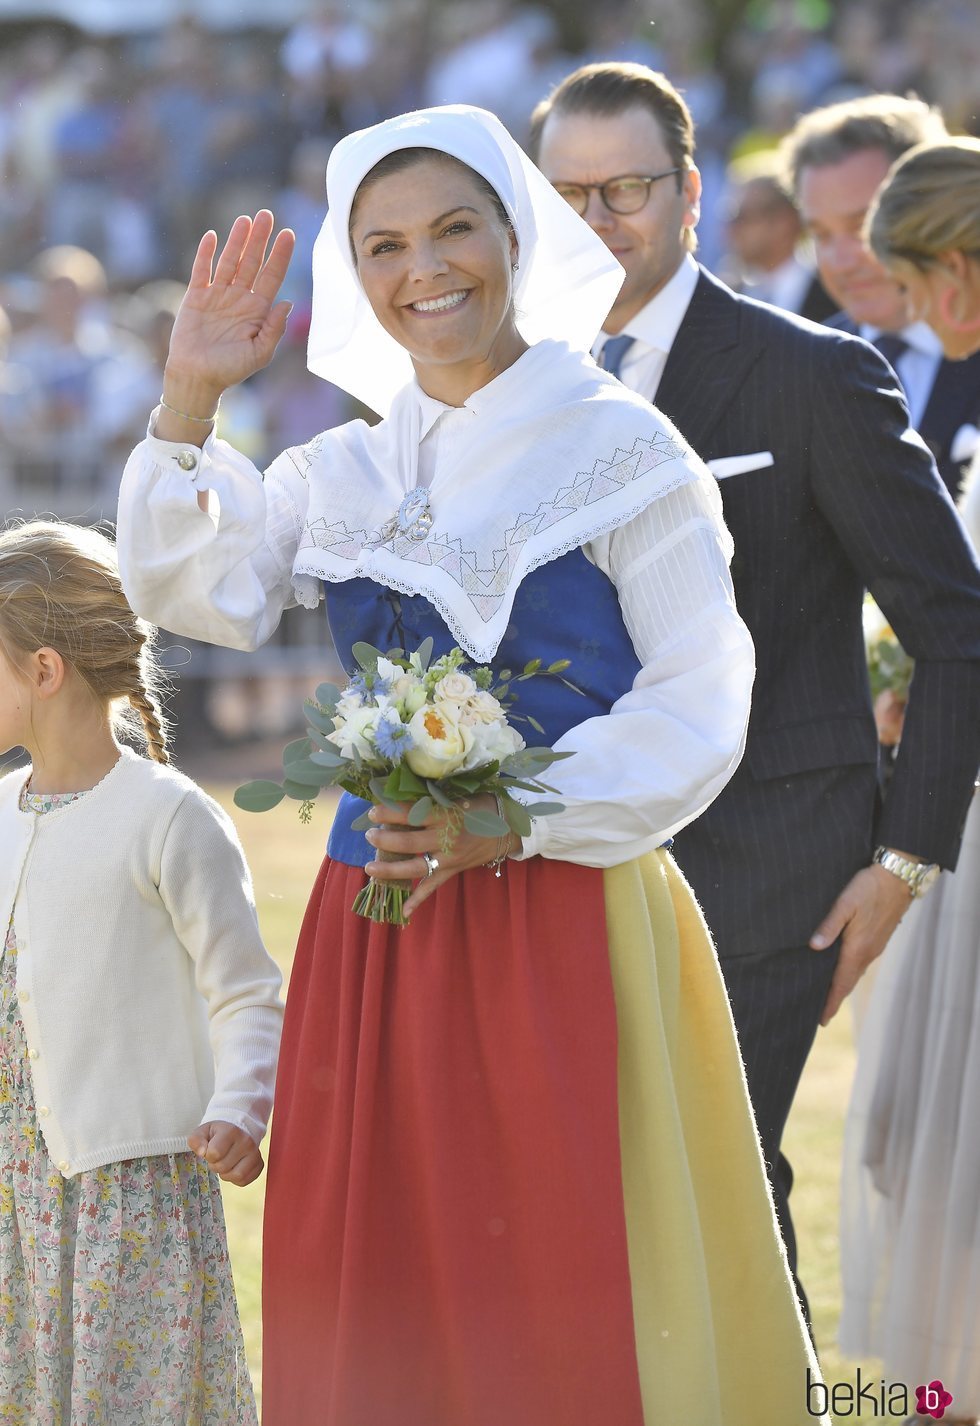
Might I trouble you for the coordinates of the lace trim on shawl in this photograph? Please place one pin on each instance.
(484, 597)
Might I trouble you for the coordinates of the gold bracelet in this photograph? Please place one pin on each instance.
(186, 416)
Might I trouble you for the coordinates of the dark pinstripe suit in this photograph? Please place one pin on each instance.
(852, 500)
(954, 401)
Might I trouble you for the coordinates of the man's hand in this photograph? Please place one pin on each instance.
(864, 916)
(231, 1153)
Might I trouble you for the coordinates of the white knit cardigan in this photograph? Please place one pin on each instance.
(149, 1002)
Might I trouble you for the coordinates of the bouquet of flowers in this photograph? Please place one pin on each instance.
(433, 734)
(890, 668)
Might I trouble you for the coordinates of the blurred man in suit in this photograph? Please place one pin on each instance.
(764, 235)
(836, 158)
(802, 876)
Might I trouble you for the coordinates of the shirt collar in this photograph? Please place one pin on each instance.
(657, 324)
(920, 337)
(509, 386)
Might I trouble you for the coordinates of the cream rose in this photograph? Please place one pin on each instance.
(454, 688)
(484, 707)
(440, 743)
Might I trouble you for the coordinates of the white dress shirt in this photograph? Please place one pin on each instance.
(653, 330)
(916, 368)
(786, 286)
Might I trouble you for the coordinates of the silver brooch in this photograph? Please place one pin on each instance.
(413, 519)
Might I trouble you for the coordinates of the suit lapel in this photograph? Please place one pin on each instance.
(706, 365)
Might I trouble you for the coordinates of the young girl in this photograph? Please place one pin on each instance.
(139, 1022)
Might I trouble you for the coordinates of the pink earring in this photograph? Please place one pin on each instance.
(956, 324)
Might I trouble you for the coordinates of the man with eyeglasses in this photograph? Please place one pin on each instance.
(801, 874)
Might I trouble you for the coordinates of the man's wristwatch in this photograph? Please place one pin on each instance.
(919, 877)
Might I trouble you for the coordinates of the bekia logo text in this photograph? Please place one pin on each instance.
(875, 1398)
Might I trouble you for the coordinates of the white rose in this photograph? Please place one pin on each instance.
(484, 707)
(356, 731)
(492, 742)
(440, 743)
(454, 688)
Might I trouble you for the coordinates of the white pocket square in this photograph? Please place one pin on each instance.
(725, 466)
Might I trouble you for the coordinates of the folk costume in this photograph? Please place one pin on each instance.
(494, 1192)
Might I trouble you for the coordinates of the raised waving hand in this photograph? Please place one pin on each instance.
(229, 322)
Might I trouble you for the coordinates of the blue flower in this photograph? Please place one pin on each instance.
(392, 738)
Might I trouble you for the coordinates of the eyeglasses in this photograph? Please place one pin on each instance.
(626, 194)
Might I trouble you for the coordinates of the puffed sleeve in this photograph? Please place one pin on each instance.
(669, 745)
(221, 575)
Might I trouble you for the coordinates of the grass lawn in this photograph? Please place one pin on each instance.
(284, 856)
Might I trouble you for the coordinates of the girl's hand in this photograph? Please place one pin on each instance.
(466, 850)
(229, 323)
(227, 1150)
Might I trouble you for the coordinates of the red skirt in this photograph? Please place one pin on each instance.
(445, 1237)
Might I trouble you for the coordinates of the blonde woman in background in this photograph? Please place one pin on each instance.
(910, 1231)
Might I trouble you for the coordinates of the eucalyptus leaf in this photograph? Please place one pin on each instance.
(424, 653)
(436, 792)
(318, 719)
(259, 796)
(329, 757)
(420, 811)
(292, 752)
(327, 694)
(480, 823)
(367, 656)
(363, 823)
(307, 773)
(299, 791)
(517, 817)
(547, 809)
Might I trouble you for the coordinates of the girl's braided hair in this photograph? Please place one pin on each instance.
(60, 589)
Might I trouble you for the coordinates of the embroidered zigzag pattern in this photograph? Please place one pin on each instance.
(485, 583)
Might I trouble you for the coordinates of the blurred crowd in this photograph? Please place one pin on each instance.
(116, 153)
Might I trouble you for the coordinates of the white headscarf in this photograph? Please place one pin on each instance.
(566, 280)
(557, 451)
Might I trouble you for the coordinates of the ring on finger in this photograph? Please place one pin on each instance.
(431, 862)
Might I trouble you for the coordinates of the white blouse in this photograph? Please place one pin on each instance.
(639, 774)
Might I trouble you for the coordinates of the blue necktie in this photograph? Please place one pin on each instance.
(892, 347)
(613, 352)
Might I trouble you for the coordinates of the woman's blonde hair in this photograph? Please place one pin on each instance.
(60, 589)
(929, 204)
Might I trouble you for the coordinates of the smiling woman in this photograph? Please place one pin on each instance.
(442, 287)
(492, 1195)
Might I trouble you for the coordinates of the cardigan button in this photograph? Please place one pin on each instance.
(24, 994)
(64, 1166)
(34, 1054)
(44, 1111)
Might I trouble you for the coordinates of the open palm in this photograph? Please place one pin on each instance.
(229, 322)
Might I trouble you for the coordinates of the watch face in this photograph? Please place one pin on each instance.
(928, 881)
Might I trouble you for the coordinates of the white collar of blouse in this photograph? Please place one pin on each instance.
(558, 453)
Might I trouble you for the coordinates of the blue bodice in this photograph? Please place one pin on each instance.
(566, 609)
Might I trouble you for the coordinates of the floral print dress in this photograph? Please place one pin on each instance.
(117, 1306)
